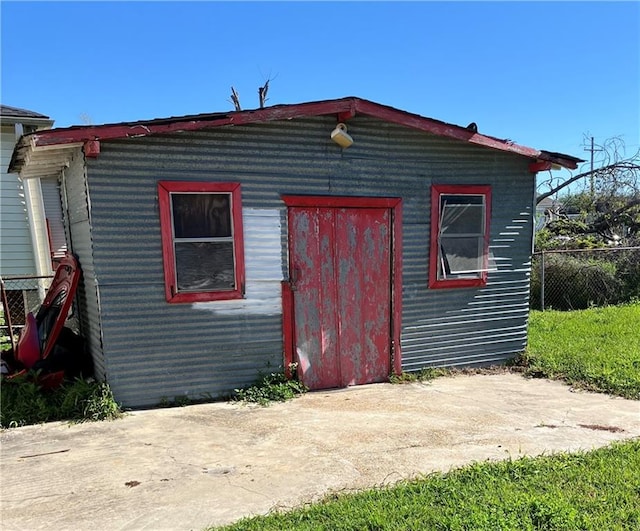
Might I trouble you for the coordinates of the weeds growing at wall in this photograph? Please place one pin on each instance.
(423, 375)
(273, 387)
(24, 402)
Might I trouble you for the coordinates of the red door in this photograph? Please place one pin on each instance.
(341, 278)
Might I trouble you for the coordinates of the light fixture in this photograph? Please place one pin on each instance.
(340, 136)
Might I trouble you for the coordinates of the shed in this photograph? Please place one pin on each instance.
(218, 246)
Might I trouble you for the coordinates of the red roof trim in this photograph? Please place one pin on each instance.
(341, 107)
(329, 201)
(152, 127)
(441, 128)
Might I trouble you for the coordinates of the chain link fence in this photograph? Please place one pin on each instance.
(20, 295)
(580, 278)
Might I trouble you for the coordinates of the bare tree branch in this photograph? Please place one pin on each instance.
(262, 93)
(599, 172)
(615, 174)
(235, 99)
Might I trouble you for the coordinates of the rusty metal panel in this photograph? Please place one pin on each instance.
(342, 294)
(363, 260)
(315, 292)
(155, 350)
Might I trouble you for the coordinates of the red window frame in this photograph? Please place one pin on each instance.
(165, 189)
(434, 252)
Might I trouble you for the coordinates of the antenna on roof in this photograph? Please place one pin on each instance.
(235, 99)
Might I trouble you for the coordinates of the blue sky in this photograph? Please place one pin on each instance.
(541, 73)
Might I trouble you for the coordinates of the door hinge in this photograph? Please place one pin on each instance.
(294, 276)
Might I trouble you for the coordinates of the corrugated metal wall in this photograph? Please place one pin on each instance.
(155, 350)
(79, 234)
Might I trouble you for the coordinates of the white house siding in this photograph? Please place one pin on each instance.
(38, 230)
(16, 249)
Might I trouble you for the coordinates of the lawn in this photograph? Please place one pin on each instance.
(596, 490)
(596, 349)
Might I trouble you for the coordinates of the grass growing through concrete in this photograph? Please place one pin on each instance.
(593, 491)
(596, 349)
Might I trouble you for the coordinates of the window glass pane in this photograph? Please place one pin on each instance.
(201, 215)
(461, 215)
(466, 199)
(460, 256)
(204, 266)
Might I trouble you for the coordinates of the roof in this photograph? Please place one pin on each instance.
(14, 112)
(43, 153)
(547, 202)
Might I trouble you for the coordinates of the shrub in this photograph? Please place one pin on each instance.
(573, 283)
(24, 402)
(628, 266)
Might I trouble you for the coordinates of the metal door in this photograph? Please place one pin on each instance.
(341, 272)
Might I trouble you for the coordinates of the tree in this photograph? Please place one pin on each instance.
(606, 206)
(615, 173)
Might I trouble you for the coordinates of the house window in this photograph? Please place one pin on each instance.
(459, 236)
(202, 243)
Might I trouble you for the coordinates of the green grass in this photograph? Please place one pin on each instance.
(423, 375)
(597, 490)
(24, 402)
(273, 387)
(596, 349)
(5, 339)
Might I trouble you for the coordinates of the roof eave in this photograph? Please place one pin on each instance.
(30, 162)
(343, 108)
(27, 120)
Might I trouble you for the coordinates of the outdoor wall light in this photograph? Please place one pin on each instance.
(339, 136)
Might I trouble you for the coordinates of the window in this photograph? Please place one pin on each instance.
(202, 244)
(459, 236)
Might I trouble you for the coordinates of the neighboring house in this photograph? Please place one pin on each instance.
(31, 228)
(547, 210)
(550, 209)
(218, 246)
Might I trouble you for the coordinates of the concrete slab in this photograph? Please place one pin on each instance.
(202, 465)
